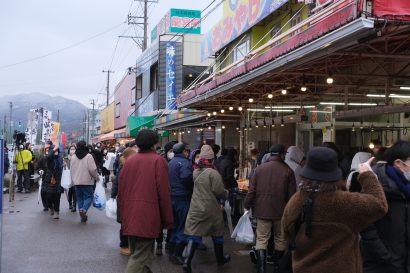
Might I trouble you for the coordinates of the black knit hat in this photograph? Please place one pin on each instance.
(322, 165)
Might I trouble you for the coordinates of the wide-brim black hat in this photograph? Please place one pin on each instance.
(322, 165)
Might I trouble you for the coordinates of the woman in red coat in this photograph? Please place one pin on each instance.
(145, 200)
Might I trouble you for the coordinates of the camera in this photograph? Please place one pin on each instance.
(19, 138)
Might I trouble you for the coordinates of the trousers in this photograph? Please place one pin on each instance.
(142, 255)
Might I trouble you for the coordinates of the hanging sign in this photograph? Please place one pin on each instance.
(170, 90)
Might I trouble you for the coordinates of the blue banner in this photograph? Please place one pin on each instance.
(171, 89)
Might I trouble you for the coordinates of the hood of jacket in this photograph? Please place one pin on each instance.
(81, 153)
(360, 157)
(293, 157)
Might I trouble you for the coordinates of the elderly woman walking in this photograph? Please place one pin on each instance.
(322, 221)
(205, 213)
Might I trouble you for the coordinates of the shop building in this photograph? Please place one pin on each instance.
(303, 73)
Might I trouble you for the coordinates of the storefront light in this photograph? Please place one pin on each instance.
(329, 80)
(371, 145)
(290, 107)
(404, 87)
(240, 108)
(270, 96)
(395, 96)
(375, 96)
(209, 128)
(250, 100)
(209, 114)
(362, 104)
(222, 111)
(223, 126)
(230, 108)
(284, 91)
(214, 113)
(268, 110)
(331, 103)
(303, 88)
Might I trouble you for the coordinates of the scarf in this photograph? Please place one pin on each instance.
(397, 176)
(205, 163)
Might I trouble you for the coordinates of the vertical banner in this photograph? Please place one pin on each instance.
(32, 124)
(170, 90)
(55, 130)
(46, 125)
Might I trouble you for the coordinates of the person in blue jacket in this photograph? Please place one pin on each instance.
(182, 184)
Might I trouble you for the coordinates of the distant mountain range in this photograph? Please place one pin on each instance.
(71, 114)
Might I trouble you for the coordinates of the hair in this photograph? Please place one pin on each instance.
(146, 139)
(399, 150)
(380, 155)
(377, 142)
(333, 146)
(131, 144)
(224, 151)
(81, 145)
(254, 152)
(308, 185)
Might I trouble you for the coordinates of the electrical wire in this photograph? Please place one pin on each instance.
(61, 49)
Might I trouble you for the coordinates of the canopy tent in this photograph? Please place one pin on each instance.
(137, 123)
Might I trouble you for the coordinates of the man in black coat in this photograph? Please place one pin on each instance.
(385, 245)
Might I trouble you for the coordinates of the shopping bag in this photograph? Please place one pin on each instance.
(66, 180)
(111, 208)
(228, 211)
(99, 195)
(40, 183)
(243, 232)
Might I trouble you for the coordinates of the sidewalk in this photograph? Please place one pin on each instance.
(35, 243)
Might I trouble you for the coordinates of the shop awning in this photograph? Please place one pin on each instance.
(137, 123)
(111, 135)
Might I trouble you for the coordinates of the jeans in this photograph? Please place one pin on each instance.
(85, 195)
(218, 240)
(142, 255)
(23, 174)
(53, 201)
(180, 210)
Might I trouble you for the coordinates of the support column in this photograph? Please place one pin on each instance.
(218, 133)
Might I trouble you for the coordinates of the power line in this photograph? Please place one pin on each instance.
(62, 49)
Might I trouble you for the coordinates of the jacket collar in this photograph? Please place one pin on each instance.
(180, 156)
(275, 158)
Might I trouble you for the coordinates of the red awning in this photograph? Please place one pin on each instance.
(111, 135)
(397, 9)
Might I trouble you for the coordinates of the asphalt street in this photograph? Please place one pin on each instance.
(33, 242)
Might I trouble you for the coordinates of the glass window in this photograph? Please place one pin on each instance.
(139, 87)
(117, 110)
(241, 50)
(133, 96)
(154, 77)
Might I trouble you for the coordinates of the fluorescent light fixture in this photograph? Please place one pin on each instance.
(268, 110)
(375, 96)
(332, 103)
(395, 96)
(362, 104)
(404, 87)
(317, 111)
(290, 107)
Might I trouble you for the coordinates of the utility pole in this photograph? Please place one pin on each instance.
(11, 121)
(4, 127)
(93, 118)
(145, 25)
(58, 115)
(108, 84)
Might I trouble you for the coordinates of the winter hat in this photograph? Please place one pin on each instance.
(277, 149)
(322, 165)
(179, 148)
(49, 142)
(207, 152)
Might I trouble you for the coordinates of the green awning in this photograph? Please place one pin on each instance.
(137, 123)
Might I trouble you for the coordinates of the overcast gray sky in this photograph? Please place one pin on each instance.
(29, 29)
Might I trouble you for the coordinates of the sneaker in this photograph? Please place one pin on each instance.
(125, 251)
(83, 216)
(56, 215)
(51, 212)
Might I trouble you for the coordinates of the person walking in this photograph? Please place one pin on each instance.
(295, 159)
(182, 184)
(322, 221)
(124, 245)
(205, 212)
(51, 186)
(23, 157)
(84, 173)
(144, 201)
(271, 187)
(385, 245)
(71, 195)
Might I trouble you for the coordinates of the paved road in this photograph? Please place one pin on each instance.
(35, 243)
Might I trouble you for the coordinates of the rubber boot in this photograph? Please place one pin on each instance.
(191, 247)
(176, 256)
(261, 260)
(277, 256)
(219, 254)
(252, 255)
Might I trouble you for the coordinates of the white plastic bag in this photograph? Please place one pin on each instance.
(228, 211)
(243, 232)
(66, 179)
(99, 195)
(111, 208)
